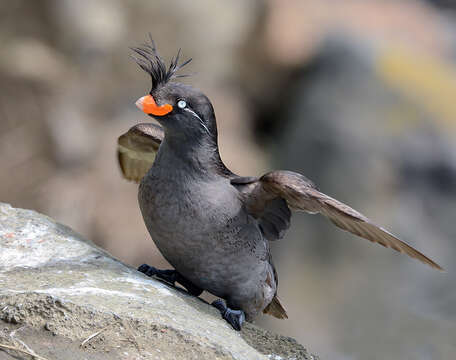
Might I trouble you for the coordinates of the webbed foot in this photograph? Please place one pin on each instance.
(171, 276)
(235, 318)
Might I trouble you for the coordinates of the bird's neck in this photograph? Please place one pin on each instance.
(197, 157)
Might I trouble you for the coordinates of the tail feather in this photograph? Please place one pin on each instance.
(276, 309)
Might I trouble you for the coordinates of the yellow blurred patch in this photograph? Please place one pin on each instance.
(427, 81)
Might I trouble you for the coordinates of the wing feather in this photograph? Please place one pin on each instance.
(137, 148)
(301, 194)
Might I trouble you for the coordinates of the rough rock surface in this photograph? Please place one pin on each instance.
(61, 297)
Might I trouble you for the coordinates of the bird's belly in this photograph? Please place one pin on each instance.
(214, 247)
(209, 264)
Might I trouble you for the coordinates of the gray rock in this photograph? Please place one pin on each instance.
(62, 297)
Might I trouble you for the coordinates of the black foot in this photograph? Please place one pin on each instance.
(234, 317)
(171, 276)
(167, 275)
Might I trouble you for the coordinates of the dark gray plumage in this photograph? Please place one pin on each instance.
(210, 224)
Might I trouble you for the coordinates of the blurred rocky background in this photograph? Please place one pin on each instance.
(360, 96)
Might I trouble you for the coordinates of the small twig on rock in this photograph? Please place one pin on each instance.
(94, 335)
(13, 336)
(133, 337)
(14, 348)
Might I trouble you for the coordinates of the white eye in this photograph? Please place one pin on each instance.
(181, 104)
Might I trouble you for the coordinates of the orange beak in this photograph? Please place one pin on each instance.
(147, 104)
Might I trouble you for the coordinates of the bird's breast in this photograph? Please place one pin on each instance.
(191, 213)
(201, 228)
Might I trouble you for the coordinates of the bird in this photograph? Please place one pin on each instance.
(211, 225)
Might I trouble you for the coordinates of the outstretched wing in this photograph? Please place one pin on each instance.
(300, 194)
(137, 148)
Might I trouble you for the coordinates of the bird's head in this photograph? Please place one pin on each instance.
(183, 111)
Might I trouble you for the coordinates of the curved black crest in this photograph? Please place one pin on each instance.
(151, 62)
